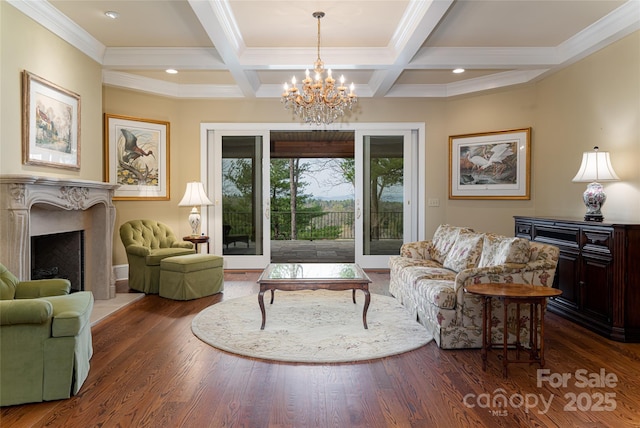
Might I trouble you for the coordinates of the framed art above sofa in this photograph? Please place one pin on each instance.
(490, 165)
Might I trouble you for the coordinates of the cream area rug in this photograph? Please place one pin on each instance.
(310, 327)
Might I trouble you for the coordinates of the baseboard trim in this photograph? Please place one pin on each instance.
(121, 272)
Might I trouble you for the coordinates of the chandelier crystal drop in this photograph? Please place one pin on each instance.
(319, 101)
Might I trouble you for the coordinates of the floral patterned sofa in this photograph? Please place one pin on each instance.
(428, 278)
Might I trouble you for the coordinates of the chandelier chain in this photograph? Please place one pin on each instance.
(319, 16)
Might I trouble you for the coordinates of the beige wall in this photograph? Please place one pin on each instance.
(596, 102)
(25, 45)
(593, 102)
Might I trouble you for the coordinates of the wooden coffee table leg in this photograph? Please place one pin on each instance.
(353, 295)
(261, 303)
(367, 299)
(272, 294)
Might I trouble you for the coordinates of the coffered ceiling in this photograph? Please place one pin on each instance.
(388, 48)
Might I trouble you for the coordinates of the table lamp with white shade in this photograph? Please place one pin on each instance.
(194, 196)
(595, 167)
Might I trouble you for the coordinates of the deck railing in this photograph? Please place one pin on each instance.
(319, 225)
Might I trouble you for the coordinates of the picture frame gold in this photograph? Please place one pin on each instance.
(136, 156)
(50, 124)
(490, 165)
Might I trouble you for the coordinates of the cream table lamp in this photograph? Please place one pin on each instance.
(194, 196)
(595, 167)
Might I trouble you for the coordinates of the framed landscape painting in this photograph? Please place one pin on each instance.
(50, 124)
(136, 153)
(490, 165)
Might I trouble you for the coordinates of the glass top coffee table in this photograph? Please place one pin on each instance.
(314, 276)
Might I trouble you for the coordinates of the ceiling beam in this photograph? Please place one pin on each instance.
(417, 23)
(217, 19)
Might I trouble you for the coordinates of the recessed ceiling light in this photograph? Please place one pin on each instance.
(458, 70)
(112, 14)
(171, 71)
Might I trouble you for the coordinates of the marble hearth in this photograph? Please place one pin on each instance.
(34, 206)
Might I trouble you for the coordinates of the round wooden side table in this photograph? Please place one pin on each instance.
(536, 296)
(200, 239)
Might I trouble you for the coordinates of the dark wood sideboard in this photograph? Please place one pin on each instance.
(598, 272)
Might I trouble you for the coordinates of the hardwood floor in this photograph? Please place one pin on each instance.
(149, 370)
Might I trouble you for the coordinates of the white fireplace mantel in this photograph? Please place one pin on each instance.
(33, 206)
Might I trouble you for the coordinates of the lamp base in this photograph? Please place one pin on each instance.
(194, 221)
(593, 217)
(594, 198)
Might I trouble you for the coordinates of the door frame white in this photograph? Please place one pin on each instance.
(207, 156)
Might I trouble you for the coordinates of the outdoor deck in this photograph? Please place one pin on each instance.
(316, 251)
(322, 251)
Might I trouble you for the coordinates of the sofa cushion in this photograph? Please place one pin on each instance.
(191, 263)
(465, 252)
(398, 262)
(437, 292)
(443, 239)
(158, 254)
(498, 250)
(416, 250)
(412, 274)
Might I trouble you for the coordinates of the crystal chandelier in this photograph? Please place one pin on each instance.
(320, 101)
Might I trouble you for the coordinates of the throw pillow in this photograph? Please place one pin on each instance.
(443, 240)
(498, 250)
(465, 252)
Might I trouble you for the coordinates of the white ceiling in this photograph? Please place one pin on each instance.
(388, 48)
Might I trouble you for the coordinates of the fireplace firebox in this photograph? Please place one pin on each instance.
(59, 255)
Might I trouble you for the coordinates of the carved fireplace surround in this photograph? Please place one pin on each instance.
(33, 206)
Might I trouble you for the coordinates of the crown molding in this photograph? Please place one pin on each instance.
(494, 81)
(168, 89)
(59, 24)
(484, 57)
(162, 58)
(619, 23)
(484, 83)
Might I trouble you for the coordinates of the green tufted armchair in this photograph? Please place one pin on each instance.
(146, 243)
(45, 339)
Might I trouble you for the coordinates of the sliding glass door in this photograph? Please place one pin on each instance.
(388, 185)
(241, 211)
(385, 195)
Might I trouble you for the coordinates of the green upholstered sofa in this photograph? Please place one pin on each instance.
(45, 339)
(146, 243)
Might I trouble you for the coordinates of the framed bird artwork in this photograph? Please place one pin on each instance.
(136, 153)
(490, 165)
(50, 124)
